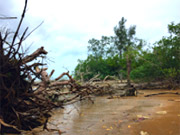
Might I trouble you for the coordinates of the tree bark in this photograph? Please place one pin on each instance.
(34, 55)
(128, 70)
(44, 77)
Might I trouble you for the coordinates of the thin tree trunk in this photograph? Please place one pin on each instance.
(128, 70)
(121, 53)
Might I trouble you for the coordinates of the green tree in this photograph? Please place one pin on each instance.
(109, 53)
(167, 52)
(120, 39)
(163, 61)
(103, 47)
(147, 67)
(92, 66)
(126, 43)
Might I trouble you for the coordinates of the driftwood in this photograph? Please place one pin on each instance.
(110, 78)
(69, 91)
(162, 93)
(22, 106)
(158, 85)
(127, 91)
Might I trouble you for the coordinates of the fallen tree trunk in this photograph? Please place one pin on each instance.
(162, 93)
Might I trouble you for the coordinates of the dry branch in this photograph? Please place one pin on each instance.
(34, 55)
(22, 106)
(52, 72)
(17, 30)
(4, 18)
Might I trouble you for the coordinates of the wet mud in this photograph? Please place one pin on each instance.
(156, 115)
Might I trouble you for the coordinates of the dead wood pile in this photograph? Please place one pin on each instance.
(21, 106)
(24, 105)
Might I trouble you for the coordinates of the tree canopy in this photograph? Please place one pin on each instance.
(121, 55)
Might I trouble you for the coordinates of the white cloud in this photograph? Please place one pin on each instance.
(69, 24)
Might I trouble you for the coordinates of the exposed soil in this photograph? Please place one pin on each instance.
(164, 124)
(119, 116)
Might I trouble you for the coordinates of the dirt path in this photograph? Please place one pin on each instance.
(120, 116)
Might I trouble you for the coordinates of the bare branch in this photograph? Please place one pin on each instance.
(51, 73)
(34, 55)
(61, 76)
(3, 18)
(33, 30)
(16, 33)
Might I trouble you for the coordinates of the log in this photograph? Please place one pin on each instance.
(162, 93)
(53, 84)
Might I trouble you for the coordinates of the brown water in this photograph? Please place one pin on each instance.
(112, 116)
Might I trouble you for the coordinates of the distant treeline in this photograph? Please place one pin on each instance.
(124, 56)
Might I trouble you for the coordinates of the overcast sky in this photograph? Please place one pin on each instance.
(69, 24)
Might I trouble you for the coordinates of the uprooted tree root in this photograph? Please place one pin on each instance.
(24, 105)
(18, 103)
(21, 106)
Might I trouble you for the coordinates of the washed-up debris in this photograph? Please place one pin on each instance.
(25, 103)
(161, 112)
(162, 93)
(141, 116)
(144, 133)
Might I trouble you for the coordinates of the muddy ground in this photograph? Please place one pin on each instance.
(156, 115)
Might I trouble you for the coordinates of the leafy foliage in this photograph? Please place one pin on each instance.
(163, 61)
(97, 65)
(122, 55)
